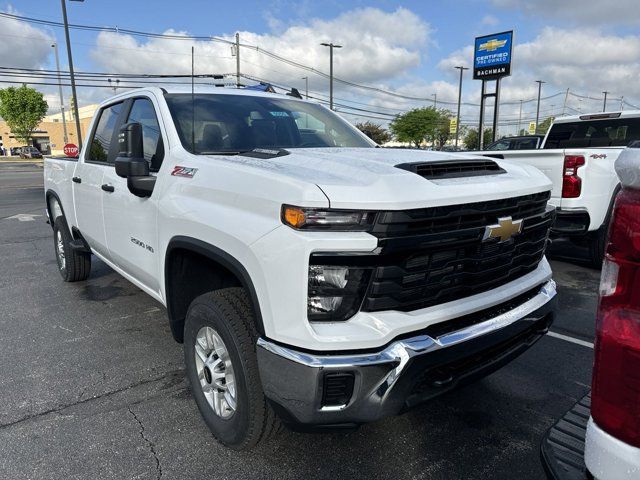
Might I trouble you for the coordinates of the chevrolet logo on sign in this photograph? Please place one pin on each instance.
(492, 45)
(504, 230)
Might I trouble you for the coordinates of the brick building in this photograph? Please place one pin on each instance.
(49, 135)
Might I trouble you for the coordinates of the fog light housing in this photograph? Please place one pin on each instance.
(335, 292)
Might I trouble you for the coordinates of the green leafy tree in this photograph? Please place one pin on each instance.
(23, 108)
(544, 125)
(471, 140)
(442, 132)
(415, 126)
(375, 132)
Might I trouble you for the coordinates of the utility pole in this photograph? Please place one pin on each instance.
(73, 77)
(539, 82)
(462, 69)
(237, 60)
(331, 47)
(306, 84)
(520, 118)
(604, 106)
(114, 84)
(564, 105)
(64, 120)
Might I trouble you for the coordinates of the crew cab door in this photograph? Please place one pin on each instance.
(131, 221)
(88, 177)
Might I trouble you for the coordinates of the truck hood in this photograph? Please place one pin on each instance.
(368, 177)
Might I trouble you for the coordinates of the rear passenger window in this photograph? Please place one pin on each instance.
(103, 133)
(142, 112)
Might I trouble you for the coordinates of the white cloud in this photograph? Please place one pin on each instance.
(22, 45)
(489, 21)
(377, 46)
(579, 11)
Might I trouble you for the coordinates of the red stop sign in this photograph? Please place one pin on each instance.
(71, 150)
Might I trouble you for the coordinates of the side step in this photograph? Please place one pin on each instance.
(562, 448)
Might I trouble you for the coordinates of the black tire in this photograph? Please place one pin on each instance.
(74, 266)
(229, 313)
(597, 243)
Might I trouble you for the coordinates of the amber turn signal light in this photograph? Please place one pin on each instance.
(293, 216)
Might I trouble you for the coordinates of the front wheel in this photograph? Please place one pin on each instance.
(73, 266)
(222, 367)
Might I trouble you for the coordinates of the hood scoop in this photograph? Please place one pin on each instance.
(445, 169)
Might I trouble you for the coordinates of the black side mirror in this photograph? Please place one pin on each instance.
(130, 163)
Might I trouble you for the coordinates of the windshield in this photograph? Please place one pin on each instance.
(238, 123)
(616, 132)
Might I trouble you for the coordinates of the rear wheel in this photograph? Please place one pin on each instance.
(597, 244)
(73, 265)
(220, 356)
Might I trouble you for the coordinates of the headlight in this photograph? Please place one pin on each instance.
(335, 292)
(302, 218)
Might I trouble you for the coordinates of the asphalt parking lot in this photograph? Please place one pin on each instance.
(93, 385)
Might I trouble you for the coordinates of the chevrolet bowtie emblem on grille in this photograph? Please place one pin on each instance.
(504, 230)
(492, 45)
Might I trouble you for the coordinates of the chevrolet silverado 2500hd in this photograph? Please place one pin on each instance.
(578, 155)
(313, 278)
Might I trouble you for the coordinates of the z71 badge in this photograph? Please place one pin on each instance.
(187, 172)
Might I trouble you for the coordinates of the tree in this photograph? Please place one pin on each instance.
(544, 125)
(23, 108)
(442, 132)
(417, 125)
(471, 140)
(375, 132)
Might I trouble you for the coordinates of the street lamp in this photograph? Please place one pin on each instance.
(306, 84)
(462, 69)
(331, 47)
(73, 78)
(64, 120)
(539, 82)
(604, 106)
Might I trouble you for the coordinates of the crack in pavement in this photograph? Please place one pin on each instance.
(152, 447)
(61, 408)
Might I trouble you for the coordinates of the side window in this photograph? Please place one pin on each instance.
(103, 133)
(143, 113)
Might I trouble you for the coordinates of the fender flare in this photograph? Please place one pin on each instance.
(47, 196)
(219, 256)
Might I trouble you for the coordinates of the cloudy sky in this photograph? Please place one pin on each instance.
(408, 48)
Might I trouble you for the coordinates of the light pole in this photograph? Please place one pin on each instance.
(64, 120)
(539, 82)
(331, 47)
(462, 69)
(73, 78)
(306, 84)
(604, 106)
(520, 117)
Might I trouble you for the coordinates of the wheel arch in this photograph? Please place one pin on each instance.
(217, 258)
(50, 196)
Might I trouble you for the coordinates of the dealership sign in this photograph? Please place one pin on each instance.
(492, 56)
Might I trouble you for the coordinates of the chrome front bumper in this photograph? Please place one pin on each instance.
(406, 372)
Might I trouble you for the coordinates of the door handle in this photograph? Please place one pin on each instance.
(76, 180)
(107, 188)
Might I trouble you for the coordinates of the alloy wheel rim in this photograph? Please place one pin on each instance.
(60, 251)
(215, 372)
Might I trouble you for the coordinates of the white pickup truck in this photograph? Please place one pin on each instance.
(578, 155)
(312, 277)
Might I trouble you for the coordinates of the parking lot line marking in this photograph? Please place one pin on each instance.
(566, 338)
